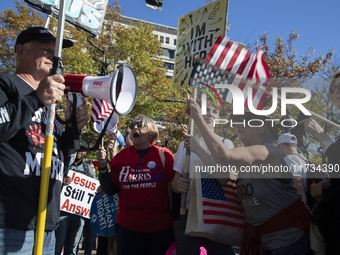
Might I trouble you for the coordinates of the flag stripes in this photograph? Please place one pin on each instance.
(224, 222)
(225, 205)
(221, 204)
(101, 110)
(219, 213)
(239, 63)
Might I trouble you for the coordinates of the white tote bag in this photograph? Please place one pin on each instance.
(215, 212)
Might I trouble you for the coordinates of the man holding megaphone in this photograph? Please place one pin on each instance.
(23, 100)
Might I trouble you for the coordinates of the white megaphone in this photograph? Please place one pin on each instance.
(119, 88)
(111, 130)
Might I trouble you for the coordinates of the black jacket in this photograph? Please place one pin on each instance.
(22, 138)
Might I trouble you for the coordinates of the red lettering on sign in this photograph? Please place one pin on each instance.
(83, 182)
(75, 209)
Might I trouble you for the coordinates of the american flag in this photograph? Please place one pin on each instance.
(101, 110)
(229, 56)
(221, 205)
(217, 212)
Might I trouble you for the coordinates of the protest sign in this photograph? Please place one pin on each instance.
(197, 31)
(87, 15)
(103, 214)
(77, 197)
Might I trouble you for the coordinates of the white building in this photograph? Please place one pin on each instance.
(167, 35)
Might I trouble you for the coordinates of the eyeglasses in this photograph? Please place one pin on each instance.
(332, 89)
(138, 123)
(140, 163)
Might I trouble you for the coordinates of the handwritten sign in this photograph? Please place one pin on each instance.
(197, 31)
(103, 214)
(77, 197)
(85, 14)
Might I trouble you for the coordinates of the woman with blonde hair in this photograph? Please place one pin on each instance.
(144, 222)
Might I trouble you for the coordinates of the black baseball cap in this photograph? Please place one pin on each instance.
(38, 33)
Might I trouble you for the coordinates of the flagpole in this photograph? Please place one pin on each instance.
(185, 175)
(226, 18)
(191, 121)
(48, 146)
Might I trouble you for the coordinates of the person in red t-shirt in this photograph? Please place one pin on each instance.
(144, 222)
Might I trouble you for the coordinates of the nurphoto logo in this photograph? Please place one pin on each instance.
(238, 97)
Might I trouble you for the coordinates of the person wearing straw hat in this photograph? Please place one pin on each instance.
(329, 207)
(24, 97)
(277, 218)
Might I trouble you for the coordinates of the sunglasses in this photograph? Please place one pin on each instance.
(140, 163)
(332, 89)
(138, 123)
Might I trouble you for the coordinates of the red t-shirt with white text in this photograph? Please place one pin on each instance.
(144, 204)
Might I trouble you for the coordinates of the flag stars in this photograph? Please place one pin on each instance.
(210, 189)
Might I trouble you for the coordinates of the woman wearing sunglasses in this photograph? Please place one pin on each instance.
(277, 217)
(329, 222)
(144, 222)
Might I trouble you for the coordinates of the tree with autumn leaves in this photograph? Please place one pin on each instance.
(289, 70)
(133, 45)
(136, 45)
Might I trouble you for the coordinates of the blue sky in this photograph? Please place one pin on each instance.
(315, 20)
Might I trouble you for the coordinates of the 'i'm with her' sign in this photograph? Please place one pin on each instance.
(85, 14)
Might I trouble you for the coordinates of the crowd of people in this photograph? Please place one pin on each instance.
(280, 217)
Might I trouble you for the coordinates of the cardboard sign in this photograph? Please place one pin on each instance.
(103, 214)
(197, 31)
(87, 15)
(77, 197)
